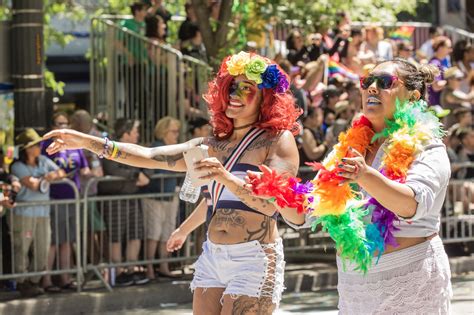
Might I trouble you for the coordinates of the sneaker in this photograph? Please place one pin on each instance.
(140, 278)
(28, 289)
(124, 279)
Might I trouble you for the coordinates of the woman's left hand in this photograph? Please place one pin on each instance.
(212, 168)
(354, 167)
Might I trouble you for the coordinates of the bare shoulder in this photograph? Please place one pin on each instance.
(283, 155)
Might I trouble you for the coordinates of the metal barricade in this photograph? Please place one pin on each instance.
(457, 216)
(112, 211)
(135, 77)
(24, 231)
(457, 34)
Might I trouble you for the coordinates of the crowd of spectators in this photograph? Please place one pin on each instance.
(131, 230)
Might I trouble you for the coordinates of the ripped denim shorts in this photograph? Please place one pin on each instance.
(252, 269)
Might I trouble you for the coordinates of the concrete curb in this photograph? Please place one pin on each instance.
(298, 278)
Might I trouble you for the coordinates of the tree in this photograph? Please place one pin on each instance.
(214, 38)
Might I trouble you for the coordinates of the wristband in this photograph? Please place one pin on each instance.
(114, 151)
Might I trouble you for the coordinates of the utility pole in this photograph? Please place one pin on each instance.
(28, 64)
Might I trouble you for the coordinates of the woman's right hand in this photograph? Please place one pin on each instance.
(176, 240)
(64, 139)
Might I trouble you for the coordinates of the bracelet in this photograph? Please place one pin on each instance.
(114, 151)
(106, 148)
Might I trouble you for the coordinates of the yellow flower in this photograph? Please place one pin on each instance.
(236, 64)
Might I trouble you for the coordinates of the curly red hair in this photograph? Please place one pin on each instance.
(278, 111)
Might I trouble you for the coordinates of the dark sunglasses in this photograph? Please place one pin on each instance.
(383, 81)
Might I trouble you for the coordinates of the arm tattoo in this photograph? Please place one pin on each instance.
(229, 217)
(97, 147)
(244, 195)
(169, 159)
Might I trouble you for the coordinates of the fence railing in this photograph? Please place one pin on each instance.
(102, 224)
(36, 226)
(136, 77)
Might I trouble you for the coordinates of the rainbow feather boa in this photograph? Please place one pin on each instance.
(339, 207)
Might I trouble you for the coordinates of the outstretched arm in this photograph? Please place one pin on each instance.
(195, 219)
(165, 157)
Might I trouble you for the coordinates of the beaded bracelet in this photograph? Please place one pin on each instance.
(106, 148)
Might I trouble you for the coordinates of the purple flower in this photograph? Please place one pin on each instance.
(283, 84)
(270, 77)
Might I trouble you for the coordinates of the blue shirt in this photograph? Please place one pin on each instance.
(22, 170)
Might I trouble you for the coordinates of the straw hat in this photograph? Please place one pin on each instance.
(27, 138)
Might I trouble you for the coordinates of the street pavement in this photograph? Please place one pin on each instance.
(323, 302)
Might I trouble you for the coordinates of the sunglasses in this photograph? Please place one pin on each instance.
(383, 81)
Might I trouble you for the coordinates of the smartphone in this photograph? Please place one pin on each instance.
(192, 156)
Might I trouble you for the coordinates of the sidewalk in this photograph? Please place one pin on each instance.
(298, 278)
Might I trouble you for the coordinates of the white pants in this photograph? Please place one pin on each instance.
(415, 280)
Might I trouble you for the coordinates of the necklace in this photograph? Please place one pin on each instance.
(244, 126)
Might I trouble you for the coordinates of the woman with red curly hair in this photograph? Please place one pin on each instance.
(253, 116)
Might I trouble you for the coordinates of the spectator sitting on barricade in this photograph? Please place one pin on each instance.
(160, 213)
(156, 7)
(192, 44)
(124, 218)
(82, 121)
(442, 49)
(186, 27)
(63, 216)
(463, 58)
(155, 29)
(452, 97)
(30, 225)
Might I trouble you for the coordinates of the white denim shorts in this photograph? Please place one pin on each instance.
(414, 280)
(251, 269)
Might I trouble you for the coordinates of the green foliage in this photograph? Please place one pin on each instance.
(321, 13)
(50, 81)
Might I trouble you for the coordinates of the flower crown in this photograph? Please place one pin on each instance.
(255, 68)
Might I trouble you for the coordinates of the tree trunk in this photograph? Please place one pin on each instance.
(213, 40)
(27, 65)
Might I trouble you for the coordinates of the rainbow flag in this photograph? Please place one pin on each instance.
(402, 33)
(335, 68)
